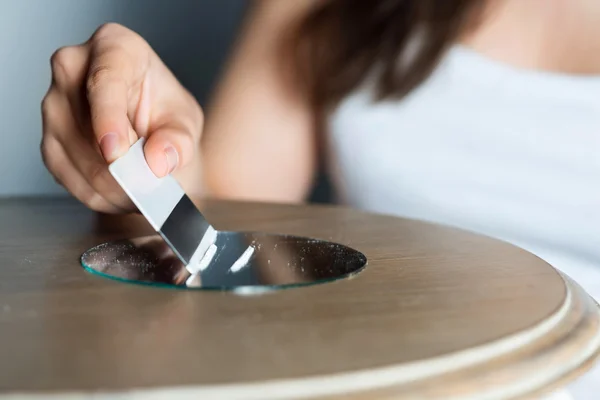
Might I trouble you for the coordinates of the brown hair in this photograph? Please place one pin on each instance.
(340, 43)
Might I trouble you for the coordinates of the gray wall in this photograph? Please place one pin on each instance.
(192, 36)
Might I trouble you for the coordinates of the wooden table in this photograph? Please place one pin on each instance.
(436, 313)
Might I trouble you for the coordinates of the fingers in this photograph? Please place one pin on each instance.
(100, 91)
(74, 162)
(169, 149)
(90, 164)
(114, 79)
(64, 172)
(69, 66)
(85, 159)
(87, 113)
(107, 94)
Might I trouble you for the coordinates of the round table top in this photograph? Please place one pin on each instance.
(437, 313)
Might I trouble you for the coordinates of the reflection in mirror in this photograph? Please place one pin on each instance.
(237, 261)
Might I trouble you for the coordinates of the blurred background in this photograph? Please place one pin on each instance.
(192, 37)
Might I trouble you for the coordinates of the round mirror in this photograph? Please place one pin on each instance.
(243, 262)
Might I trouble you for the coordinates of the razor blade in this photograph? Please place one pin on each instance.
(167, 208)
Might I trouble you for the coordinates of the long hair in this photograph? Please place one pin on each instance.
(398, 42)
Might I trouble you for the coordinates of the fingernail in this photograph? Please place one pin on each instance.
(172, 158)
(109, 144)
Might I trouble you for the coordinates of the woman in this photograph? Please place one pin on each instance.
(482, 115)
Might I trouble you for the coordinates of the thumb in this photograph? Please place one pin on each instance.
(168, 150)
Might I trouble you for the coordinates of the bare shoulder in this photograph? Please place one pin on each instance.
(259, 138)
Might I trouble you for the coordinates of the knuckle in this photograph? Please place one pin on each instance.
(98, 76)
(49, 151)
(46, 106)
(93, 200)
(118, 40)
(63, 64)
(57, 180)
(108, 30)
(96, 174)
(49, 105)
(44, 152)
(113, 34)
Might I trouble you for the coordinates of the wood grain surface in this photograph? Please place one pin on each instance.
(437, 314)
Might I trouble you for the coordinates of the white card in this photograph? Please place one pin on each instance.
(154, 197)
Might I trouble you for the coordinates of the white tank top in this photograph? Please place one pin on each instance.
(510, 153)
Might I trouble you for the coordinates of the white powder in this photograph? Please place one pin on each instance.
(242, 261)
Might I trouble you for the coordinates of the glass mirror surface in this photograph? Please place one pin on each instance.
(238, 261)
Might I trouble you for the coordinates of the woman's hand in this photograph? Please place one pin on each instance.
(105, 94)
